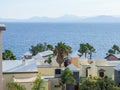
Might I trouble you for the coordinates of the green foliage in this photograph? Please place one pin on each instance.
(49, 60)
(86, 48)
(40, 48)
(67, 78)
(91, 50)
(61, 51)
(39, 84)
(8, 55)
(83, 49)
(15, 86)
(114, 50)
(89, 84)
(96, 83)
(116, 88)
(50, 47)
(80, 79)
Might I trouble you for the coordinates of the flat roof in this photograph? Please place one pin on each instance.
(2, 27)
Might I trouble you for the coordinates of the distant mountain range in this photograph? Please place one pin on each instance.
(67, 18)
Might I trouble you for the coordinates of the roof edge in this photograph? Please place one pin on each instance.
(19, 72)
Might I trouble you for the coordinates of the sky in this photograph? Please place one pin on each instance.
(21, 9)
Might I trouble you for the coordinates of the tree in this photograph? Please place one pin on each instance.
(67, 78)
(15, 86)
(39, 84)
(40, 48)
(106, 83)
(8, 55)
(114, 50)
(89, 84)
(61, 51)
(91, 49)
(86, 48)
(97, 83)
(50, 47)
(83, 49)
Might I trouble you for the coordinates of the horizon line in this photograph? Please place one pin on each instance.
(60, 16)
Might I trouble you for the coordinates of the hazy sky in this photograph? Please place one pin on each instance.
(56, 8)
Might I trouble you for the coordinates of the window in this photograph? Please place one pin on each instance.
(101, 72)
(58, 71)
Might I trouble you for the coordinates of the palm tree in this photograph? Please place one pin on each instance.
(91, 49)
(114, 50)
(49, 60)
(15, 86)
(67, 78)
(83, 49)
(61, 51)
(39, 84)
(86, 48)
(110, 51)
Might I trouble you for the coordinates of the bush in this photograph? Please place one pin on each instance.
(97, 83)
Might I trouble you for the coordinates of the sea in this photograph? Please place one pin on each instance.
(19, 37)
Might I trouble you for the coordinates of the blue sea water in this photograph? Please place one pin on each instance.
(20, 36)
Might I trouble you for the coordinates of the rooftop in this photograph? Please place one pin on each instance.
(45, 65)
(17, 66)
(39, 57)
(73, 68)
(43, 55)
(46, 53)
(113, 63)
(107, 63)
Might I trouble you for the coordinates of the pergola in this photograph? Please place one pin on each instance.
(2, 28)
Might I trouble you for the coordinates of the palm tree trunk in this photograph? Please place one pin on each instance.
(90, 55)
(60, 65)
(85, 55)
